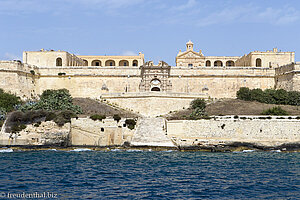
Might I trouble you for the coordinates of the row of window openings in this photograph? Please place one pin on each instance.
(220, 64)
(59, 63)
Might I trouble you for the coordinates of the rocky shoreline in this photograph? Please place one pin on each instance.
(234, 147)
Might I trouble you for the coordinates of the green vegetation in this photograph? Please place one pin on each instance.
(18, 120)
(117, 117)
(130, 123)
(198, 106)
(269, 96)
(97, 117)
(275, 111)
(54, 100)
(198, 103)
(8, 101)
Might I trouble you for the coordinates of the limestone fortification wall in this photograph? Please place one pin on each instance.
(47, 133)
(213, 132)
(17, 78)
(288, 77)
(86, 132)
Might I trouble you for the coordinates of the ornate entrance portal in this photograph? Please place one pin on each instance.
(155, 78)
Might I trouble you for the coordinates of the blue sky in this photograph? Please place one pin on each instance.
(157, 28)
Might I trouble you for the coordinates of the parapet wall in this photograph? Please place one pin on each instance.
(221, 131)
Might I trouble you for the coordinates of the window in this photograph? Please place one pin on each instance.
(58, 62)
(190, 65)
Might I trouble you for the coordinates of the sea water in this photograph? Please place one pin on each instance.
(150, 175)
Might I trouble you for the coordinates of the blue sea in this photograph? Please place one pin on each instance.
(150, 175)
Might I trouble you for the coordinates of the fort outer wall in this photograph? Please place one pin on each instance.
(216, 82)
(18, 78)
(288, 77)
(260, 132)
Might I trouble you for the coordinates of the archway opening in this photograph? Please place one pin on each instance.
(218, 63)
(123, 63)
(58, 62)
(135, 63)
(156, 89)
(110, 63)
(258, 62)
(208, 63)
(85, 63)
(229, 63)
(96, 63)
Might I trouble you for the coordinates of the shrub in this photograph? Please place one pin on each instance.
(130, 123)
(97, 117)
(269, 96)
(198, 103)
(54, 100)
(198, 113)
(8, 101)
(275, 111)
(17, 127)
(244, 94)
(64, 117)
(235, 117)
(117, 118)
(50, 116)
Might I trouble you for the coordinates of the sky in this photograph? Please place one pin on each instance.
(157, 28)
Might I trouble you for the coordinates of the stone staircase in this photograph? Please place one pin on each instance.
(151, 132)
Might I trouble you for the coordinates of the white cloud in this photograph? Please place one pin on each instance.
(128, 53)
(189, 4)
(249, 13)
(10, 56)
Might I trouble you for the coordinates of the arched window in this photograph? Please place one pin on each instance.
(110, 63)
(123, 63)
(96, 63)
(258, 62)
(135, 63)
(229, 63)
(208, 63)
(218, 63)
(85, 63)
(58, 62)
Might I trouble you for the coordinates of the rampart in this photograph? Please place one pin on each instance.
(261, 132)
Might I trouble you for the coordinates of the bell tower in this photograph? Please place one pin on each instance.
(189, 45)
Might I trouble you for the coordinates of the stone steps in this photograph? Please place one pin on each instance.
(151, 132)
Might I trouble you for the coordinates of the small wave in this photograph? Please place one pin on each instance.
(278, 150)
(79, 150)
(52, 150)
(248, 150)
(134, 150)
(6, 150)
(117, 150)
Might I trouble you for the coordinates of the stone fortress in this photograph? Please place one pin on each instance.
(146, 88)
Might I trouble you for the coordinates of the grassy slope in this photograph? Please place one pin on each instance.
(91, 107)
(236, 107)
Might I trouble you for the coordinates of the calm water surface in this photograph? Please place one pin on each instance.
(152, 175)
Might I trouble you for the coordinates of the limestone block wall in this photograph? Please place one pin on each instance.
(261, 132)
(89, 81)
(152, 104)
(49, 58)
(288, 77)
(47, 133)
(18, 79)
(268, 59)
(219, 82)
(86, 132)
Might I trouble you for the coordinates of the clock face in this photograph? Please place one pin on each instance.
(155, 82)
